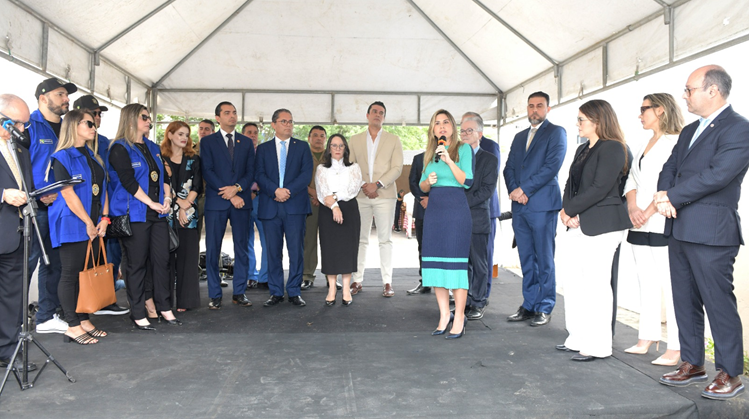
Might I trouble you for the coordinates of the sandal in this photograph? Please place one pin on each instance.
(96, 333)
(82, 339)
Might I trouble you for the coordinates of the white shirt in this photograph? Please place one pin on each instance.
(278, 148)
(372, 152)
(342, 180)
(705, 122)
(226, 140)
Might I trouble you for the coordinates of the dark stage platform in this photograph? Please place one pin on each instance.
(373, 359)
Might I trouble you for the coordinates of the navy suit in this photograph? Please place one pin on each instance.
(535, 172)
(284, 218)
(703, 183)
(219, 170)
(494, 211)
(417, 166)
(478, 197)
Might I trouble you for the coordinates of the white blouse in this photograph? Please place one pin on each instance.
(344, 181)
(645, 179)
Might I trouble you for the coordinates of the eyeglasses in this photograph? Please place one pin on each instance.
(644, 108)
(467, 131)
(96, 113)
(90, 124)
(145, 117)
(688, 90)
(339, 146)
(580, 120)
(17, 124)
(285, 122)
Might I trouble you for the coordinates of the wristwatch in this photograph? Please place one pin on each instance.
(239, 187)
(335, 196)
(380, 185)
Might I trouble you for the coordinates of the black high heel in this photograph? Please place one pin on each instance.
(331, 303)
(438, 332)
(345, 302)
(174, 322)
(146, 327)
(462, 332)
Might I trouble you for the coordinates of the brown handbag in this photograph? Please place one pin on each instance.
(96, 285)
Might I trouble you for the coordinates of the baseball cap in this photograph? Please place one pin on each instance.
(88, 102)
(53, 83)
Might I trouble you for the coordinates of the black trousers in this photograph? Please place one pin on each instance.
(184, 270)
(149, 242)
(478, 270)
(419, 226)
(73, 258)
(11, 300)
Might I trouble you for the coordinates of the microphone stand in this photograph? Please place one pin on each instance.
(25, 337)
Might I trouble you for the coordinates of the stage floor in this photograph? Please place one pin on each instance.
(375, 358)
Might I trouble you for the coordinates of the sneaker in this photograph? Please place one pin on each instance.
(112, 310)
(53, 325)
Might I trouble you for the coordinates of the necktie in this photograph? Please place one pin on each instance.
(282, 165)
(230, 146)
(11, 163)
(700, 128)
(530, 138)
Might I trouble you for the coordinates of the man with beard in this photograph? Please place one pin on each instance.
(44, 130)
(530, 174)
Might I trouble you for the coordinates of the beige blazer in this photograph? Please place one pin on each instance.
(387, 165)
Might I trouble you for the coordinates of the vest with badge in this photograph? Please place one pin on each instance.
(119, 197)
(64, 225)
(43, 142)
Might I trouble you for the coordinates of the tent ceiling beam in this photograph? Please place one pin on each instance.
(515, 32)
(203, 42)
(326, 92)
(129, 28)
(456, 47)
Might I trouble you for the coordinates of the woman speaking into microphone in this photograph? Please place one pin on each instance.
(447, 220)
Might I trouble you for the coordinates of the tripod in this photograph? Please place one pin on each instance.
(25, 337)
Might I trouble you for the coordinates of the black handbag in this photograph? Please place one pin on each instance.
(173, 239)
(120, 225)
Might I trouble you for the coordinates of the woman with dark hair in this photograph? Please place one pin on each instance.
(140, 187)
(448, 172)
(182, 165)
(79, 216)
(659, 113)
(595, 216)
(337, 182)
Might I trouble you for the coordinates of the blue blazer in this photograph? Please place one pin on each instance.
(417, 166)
(298, 175)
(536, 170)
(704, 182)
(493, 148)
(219, 170)
(478, 195)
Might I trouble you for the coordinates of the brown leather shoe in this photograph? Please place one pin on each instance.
(355, 288)
(387, 291)
(686, 374)
(723, 387)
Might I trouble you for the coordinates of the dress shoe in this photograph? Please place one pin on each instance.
(388, 291)
(562, 347)
(583, 358)
(438, 332)
(252, 284)
(146, 327)
(17, 364)
(420, 289)
(215, 304)
(241, 299)
(297, 301)
(686, 374)
(355, 288)
(224, 284)
(723, 387)
(273, 300)
(475, 313)
(306, 284)
(541, 319)
(462, 332)
(520, 315)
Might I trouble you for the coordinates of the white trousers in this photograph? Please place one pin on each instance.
(383, 211)
(588, 298)
(654, 275)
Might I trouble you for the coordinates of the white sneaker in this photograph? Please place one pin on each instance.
(53, 325)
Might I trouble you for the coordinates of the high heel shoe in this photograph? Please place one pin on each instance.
(82, 339)
(346, 302)
(173, 322)
(665, 361)
(462, 332)
(642, 350)
(438, 332)
(330, 303)
(146, 327)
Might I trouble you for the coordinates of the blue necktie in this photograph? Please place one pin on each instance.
(282, 166)
(700, 128)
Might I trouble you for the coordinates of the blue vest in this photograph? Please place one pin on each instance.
(104, 148)
(42, 145)
(119, 198)
(64, 225)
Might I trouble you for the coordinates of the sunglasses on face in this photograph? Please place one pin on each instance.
(96, 113)
(145, 117)
(90, 124)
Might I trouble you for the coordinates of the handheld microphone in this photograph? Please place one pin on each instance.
(10, 126)
(442, 141)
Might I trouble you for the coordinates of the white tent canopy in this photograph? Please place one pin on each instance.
(326, 60)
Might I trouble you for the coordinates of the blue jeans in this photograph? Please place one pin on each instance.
(49, 275)
(262, 275)
(114, 256)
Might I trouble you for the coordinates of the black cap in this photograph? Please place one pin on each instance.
(51, 84)
(88, 102)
